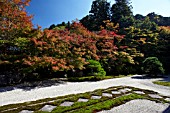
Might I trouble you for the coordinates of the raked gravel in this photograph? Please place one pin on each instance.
(140, 106)
(19, 95)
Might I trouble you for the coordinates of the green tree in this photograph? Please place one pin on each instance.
(96, 68)
(120, 9)
(88, 22)
(139, 17)
(162, 50)
(152, 66)
(52, 26)
(126, 21)
(146, 24)
(100, 11)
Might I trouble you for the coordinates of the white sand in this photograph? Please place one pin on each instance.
(21, 95)
(140, 106)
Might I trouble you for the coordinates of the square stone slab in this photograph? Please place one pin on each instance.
(167, 99)
(26, 111)
(82, 100)
(116, 92)
(139, 92)
(96, 97)
(125, 90)
(106, 94)
(67, 104)
(51, 101)
(48, 108)
(154, 96)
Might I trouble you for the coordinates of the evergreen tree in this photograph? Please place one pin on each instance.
(120, 9)
(100, 11)
(52, 26)
(139, 17)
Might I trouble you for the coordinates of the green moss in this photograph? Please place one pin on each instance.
(92, 105)
(162, 83)
(93, 78)
(88, 78)
(108, 104)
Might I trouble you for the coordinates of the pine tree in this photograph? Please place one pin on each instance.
(120, 9)
(100, 11)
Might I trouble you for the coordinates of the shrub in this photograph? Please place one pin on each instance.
(95, 68)
(152, 66)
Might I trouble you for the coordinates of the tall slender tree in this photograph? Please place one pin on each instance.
(120, 9)
(100, 11)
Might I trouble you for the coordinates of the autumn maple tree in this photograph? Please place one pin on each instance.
(14, 19)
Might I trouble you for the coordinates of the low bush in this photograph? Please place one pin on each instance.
(152, 66)
(95, 69)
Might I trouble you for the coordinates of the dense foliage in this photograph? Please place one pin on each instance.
(112, 42)
(152, 66)
(100, 11)
(95, 69)
(13, 18)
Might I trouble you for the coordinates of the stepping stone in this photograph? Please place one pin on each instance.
(82, 100)
(67, 104)
(167, 99)
(154, 96)
(139, 92)
(26, 111)
(48, 108)
(106, 94)
(51, 101)
(125, 90)
(116, 92)
(128, 89)
(96, 97)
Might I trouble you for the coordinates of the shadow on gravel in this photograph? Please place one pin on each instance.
(164, 78)
(167, 110)
(27, 86)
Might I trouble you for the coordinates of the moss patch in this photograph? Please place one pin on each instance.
(92, 105)
(162, 83)
(93, 78)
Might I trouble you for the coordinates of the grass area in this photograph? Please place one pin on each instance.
(93, 78)
(93, 105)
(162, 83)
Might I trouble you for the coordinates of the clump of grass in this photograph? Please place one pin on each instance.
(94, 78)
(88, 78)
(162, 83)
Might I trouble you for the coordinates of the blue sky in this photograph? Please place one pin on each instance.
(56, 11)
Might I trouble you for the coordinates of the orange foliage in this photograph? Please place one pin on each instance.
(13, 16)
(60, 50)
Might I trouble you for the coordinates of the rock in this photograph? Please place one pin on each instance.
(106, 94)
(116, 92)
(48, 108)
(26, 111)
(139, 92)
(96, 97)
(67, 104)
(82, 100)
(154, 96)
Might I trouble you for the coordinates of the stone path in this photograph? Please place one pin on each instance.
(21, 95)
(110, 93)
